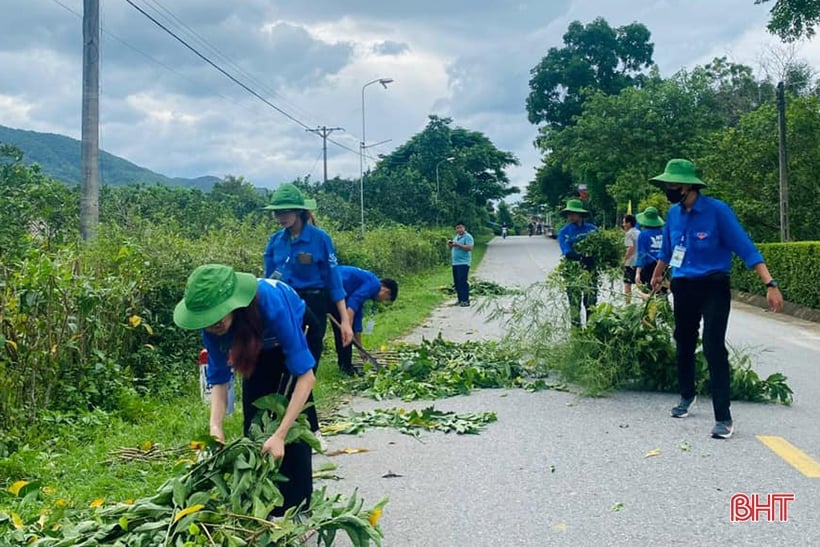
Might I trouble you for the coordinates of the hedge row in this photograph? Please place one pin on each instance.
(796, 266)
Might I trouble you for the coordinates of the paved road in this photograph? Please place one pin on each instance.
(559, 469)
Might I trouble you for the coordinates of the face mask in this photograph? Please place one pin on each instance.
(674, 195)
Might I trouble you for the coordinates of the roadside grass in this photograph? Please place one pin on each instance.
(70, 456)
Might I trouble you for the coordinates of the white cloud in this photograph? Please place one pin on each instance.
(468, 60)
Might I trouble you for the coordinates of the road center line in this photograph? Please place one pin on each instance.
(793, 455)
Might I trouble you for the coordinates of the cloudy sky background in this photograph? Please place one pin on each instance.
(163, 108)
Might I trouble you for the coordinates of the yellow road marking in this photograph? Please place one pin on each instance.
(793, 455)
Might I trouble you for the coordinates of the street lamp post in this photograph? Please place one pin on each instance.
(450, 158)
(362, 145)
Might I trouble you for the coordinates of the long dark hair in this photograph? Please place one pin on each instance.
(247, 338)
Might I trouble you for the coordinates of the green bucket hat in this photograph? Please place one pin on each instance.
(211, 293)
(678, 172)
(650, 218)
(575, 206)
(288, 196)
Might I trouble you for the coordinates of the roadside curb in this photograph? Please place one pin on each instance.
(795, 310)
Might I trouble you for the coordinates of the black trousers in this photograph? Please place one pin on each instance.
(708, 298)
(344, 354)
(318, 304)
(461, 273)
(272, 376)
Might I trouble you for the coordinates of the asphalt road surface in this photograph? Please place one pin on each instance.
(561, 469)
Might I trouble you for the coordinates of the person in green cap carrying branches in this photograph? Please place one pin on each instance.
(699, 238)
(303, 256)
(649, 245)
(578, 291)
(253, 327)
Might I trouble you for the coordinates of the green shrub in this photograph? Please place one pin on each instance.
(796, 266)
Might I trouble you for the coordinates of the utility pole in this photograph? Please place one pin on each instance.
(784, 180)
(324, 132)
(90, 151)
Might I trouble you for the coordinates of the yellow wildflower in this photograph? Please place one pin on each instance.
(374, 516)
(96, 503)
(48, 490)
(135, 321)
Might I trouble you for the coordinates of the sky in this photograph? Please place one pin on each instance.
(164, 108)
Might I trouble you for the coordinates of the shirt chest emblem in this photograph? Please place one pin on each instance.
(701, 235)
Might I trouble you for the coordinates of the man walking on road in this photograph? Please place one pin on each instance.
(578, 290)
(699, 238)
(461, 250)
(631, 254)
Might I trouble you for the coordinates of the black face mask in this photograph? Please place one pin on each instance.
(674, 195)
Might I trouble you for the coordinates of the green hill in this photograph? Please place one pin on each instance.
(59, 157)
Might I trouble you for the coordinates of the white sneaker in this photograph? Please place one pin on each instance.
(322, 441)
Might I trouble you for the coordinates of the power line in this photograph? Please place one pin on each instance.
(217, 67)
(324, 131)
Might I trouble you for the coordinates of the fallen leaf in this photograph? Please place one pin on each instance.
(188, 511)
(684, 446)
(652, 453)
(559, 526)
(391, 475)
(617, 506)
(552, 469)
(346, 451)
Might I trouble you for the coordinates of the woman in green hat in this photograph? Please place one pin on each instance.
(576, 229)
(700, 236)
(253, 327)
(649, 244)
(302, 255)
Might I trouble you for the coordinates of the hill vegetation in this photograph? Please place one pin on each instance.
(59, 158)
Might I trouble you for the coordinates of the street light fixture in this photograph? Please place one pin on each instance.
(362, 144)
(450, 158)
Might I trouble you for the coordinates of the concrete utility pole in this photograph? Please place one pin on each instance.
(784, 179)
(90, 151)
(324, 132)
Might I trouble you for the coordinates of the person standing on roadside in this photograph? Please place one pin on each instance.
(579, 291)
(649, 245)
(303, 256)
(630, 255)
(253, 327)
(461, 256)
(700, 236)
(360, 286)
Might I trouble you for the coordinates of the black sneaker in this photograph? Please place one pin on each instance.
(681, 410)
(465, 304)
(723, 429)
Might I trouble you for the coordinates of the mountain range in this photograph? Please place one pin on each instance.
(59, 158)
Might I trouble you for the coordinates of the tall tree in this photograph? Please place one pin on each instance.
(793, 19)
(595, 56)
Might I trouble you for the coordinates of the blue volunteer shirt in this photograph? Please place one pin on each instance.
(360, 286)
(570, 234)
(307, 262)
(710, 232)
(650, 241)
(459, 256)
(282, 311)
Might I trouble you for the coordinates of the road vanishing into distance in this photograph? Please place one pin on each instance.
(558, 468)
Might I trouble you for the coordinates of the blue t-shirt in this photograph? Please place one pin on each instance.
(649, 246)
(710, 233)
(360, 285)
(307, 262)
(282, 311)
(570, 234)
(458, 255)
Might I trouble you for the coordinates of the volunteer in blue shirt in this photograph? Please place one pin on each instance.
(360, 286)
(699, 238)
(578, 291)
(302, 255)
(461, 257)
(254, 327)
(649, 245)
